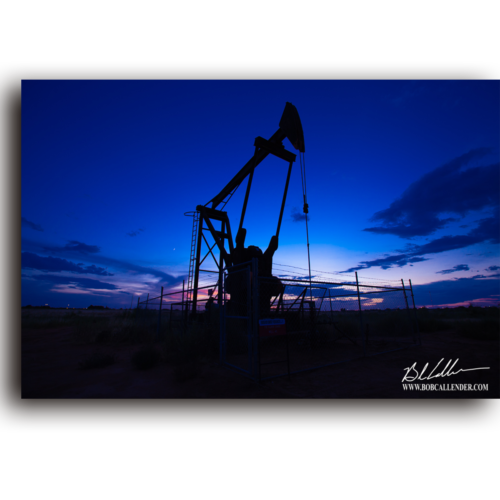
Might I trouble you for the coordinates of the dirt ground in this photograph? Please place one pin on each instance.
(50, 369)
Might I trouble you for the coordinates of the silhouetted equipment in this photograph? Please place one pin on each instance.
(216, 221)
(290, 123)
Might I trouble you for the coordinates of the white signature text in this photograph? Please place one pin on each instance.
(413, 374)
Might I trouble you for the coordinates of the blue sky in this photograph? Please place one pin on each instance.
(402, 182)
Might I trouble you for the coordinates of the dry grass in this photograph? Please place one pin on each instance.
(91, 326)
(183, 347)
(97, 360)
(146, 357)
(481, 329)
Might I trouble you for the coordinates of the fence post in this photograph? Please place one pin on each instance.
(415, 314)
(250, 339)
(255, 318)
(360, 316)
(408, 311)
(182, 306)
(222, 322)
(147, 301)
(331, 310)
(159, 315)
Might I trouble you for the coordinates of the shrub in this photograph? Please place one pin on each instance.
(483, 329)
(185, 348)
(186, 371)
(146, 358)
(432, 325)
(347, 327)
(103, 337)
(97, 360)
(87, 328)
(387, 325)
(192, 343)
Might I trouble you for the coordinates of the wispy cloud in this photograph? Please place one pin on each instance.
(135, 233)
(457, 290)
(83, 283)
(74, 246)
(55, 264)
(298, 216)
(449, 189)
(92, 256)
(486, 232)
(31, 225)
(399, 260)
(460, 267)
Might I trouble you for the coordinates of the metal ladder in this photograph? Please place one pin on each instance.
(192, 259)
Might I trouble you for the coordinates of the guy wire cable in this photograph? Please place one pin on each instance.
(306, 211)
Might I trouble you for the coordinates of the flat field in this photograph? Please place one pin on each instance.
(113, 354)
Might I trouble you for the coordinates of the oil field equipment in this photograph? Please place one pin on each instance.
(213, 219)
(266, 326)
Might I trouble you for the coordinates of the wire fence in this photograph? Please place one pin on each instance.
(174, 310)
(326, 322)
(268, 327)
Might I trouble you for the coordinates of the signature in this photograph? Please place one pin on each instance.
(412, 373)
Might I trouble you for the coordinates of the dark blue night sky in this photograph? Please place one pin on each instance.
(403, 181)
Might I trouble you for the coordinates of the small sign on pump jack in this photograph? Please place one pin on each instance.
(272, 327)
